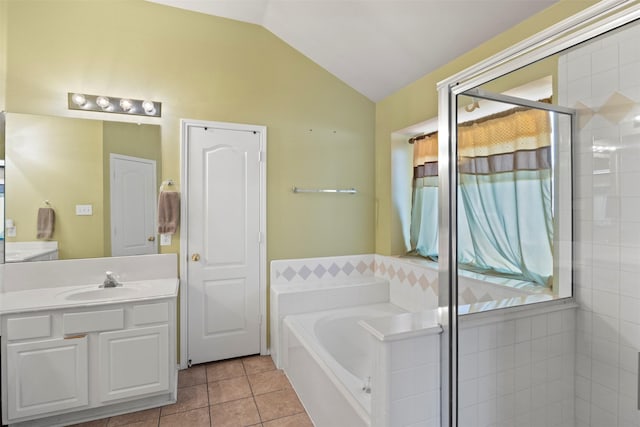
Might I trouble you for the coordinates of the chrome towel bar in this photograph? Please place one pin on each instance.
(325, 190)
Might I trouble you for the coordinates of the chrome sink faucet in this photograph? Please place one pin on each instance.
(110, 281)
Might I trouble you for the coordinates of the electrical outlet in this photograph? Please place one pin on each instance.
(165, 239)
(84, 209)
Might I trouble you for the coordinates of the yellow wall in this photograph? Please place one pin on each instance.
(3, 52)
(320, 131)
(67, 154)
(142, 141)
(417, 102)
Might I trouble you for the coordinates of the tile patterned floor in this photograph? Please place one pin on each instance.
(241, 392)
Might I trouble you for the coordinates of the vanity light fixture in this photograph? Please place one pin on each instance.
(126, 104)
(78, 99)
(104, 104)
(148, 107)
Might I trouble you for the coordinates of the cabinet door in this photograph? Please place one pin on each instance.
(133, 362)
(46, 376)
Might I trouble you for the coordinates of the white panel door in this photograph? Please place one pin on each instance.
(133, 206)
(47, 376)
(223, 243)
(133, 362)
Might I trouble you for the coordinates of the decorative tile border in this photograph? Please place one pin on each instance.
(325, 268)
(412, 286)
(413, 283)
(405, 273)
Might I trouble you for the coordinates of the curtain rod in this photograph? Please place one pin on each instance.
(480, 120)
(423, 136)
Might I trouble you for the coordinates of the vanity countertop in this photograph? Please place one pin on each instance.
(86, 295)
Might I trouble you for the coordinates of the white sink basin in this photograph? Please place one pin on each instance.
(120, 292)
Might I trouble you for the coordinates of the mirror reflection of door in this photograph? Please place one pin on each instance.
(133, 206)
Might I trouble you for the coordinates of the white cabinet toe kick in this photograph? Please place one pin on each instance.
(76, 364)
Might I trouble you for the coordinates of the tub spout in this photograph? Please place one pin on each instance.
(367, 386)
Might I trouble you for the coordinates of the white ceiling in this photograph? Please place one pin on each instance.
(376, 46)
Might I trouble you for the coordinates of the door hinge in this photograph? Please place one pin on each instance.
(259, 237)
(261, 156)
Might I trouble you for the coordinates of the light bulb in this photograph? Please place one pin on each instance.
(78, 99)
(148, 107)
(126, 104)
(103, 102)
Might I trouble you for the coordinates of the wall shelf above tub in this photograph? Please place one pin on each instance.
(325, 190)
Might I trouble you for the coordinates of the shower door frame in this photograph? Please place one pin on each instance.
(591, 22)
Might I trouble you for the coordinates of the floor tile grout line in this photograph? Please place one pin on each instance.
(206, 377)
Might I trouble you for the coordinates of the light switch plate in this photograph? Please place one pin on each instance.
(84, 209)
(165, 239)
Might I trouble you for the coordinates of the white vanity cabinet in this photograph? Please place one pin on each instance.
(73, 363)
(47, 376)
(133, 362)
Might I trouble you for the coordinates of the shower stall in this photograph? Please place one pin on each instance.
(544, 189)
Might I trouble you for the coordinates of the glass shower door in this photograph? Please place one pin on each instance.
(541, 262)
(515, 366)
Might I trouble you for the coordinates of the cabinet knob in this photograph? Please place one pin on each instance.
(195, 257)
(151, 238)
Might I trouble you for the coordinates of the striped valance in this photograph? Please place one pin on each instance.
(516, 140)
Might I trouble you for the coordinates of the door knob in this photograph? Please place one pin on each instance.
(195, 257)
(151, 238)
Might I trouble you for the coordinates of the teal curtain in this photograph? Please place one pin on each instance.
(424, 217)
(506, 224)
(505, 211)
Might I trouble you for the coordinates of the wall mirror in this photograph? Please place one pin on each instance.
(99, 178)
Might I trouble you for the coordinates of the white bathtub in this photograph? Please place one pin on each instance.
(329, 359)
(313, 296)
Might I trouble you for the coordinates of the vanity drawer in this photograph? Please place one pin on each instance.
(92, 321)
(21, 328)
(145, 314)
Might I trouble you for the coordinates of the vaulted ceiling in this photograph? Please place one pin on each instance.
(376, 46)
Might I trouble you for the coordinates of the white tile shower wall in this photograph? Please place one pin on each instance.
(325, 268)
(415, 382)
(602, 80)
(517, 371)
(406, 382)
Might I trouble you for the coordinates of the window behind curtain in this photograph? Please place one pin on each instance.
(505, 218)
